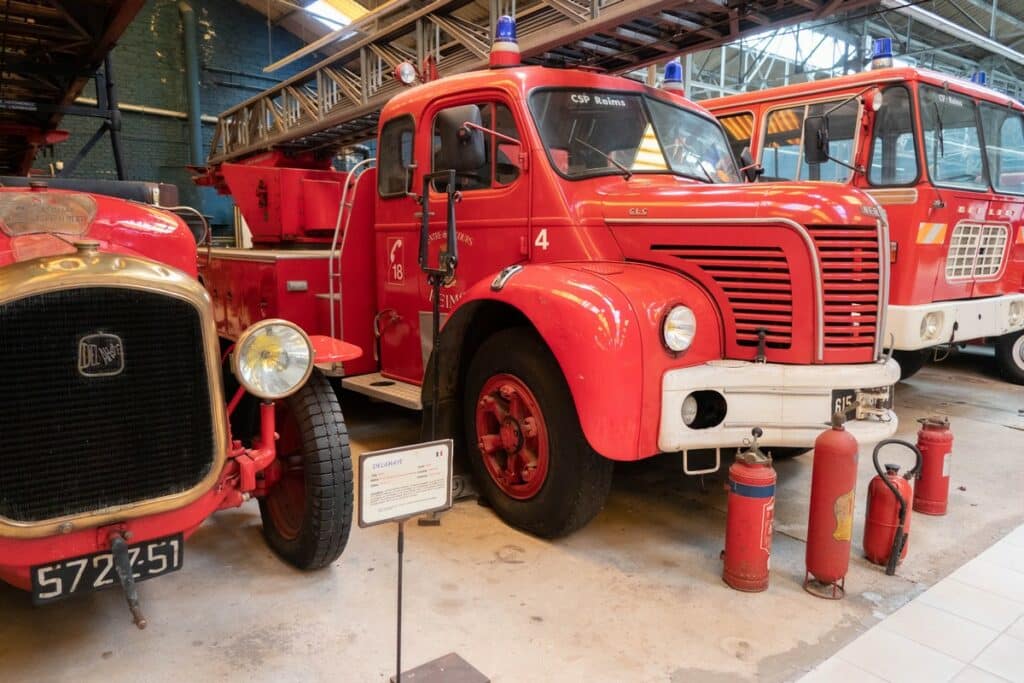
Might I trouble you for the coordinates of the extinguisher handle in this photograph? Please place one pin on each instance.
(909, 474)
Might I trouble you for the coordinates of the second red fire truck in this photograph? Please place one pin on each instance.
(608, 290)
(945, 158)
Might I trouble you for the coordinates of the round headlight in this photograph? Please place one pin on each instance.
(272, 359)
(931, 324)
(1016, 313)
(689, 410)
(679, 329)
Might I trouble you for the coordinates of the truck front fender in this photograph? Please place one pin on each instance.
(602, 322)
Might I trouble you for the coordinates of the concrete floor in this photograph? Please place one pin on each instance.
(635, 596)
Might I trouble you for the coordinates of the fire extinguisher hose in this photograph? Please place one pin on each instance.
(899, 538)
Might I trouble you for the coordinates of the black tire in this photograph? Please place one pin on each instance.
(320, 526)
(578, 479)
(1010, 357)
(786, 453)
(911, 361)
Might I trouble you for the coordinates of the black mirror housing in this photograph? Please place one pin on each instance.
(462, 147)
(816, 142)
(751, 170)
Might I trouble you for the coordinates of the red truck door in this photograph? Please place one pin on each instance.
(492, 220)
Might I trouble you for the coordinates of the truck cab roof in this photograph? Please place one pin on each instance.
(866, 79)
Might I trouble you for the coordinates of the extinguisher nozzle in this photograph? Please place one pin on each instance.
(898, 541)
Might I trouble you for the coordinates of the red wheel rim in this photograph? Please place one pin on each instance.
(512, 436)
(286, 499)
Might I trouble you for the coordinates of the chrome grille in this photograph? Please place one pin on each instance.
(851, 281)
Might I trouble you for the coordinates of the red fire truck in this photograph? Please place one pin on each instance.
(945, 157)
(608, 289)
(117, 443)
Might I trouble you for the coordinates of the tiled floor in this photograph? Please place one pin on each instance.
(967, 627)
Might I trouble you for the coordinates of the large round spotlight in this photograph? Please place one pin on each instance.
(272, 359)
(679, 329)
(406, 74)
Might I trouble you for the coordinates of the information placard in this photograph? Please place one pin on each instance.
(399, 483)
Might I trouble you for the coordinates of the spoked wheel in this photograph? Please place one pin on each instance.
(1010, 357)
(512, 436)
(307, 513)
(527, 449)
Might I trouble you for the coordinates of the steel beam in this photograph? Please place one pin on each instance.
(953, 29)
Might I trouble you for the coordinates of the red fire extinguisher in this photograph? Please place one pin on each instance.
(935, 441)
(748, 519)
(887, 524)
(830, 521)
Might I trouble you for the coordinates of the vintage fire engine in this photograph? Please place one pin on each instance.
(117, 443)
(609, 290)
(945, 157)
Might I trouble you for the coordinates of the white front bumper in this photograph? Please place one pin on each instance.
(791, 403)
(975, 318)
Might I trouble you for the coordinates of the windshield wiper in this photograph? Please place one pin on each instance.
(625, 171)
(940, 138)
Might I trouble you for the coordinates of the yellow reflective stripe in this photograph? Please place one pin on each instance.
(1020, 235)
(931, 233)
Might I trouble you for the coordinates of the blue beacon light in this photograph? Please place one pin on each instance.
(881, 53)
(672, 81)
(505, 48)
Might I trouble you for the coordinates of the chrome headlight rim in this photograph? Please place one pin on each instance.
(674, 336)
(245, 337)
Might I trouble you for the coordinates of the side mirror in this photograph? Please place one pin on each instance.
(751, 169)
(462, 147)
(816, 143)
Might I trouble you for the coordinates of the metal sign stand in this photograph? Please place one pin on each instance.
(398, 621)
(396, 485)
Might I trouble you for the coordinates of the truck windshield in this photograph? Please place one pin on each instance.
(1004, 146)
(589, 133)
(952, 143)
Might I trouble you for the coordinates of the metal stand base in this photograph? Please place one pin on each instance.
(826, 591)
(450, 668)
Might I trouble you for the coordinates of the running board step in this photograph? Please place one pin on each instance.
(376, 385)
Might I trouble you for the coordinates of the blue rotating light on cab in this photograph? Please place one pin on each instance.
(979, 78)
(672, 81)
(505, 49)
(881, 53)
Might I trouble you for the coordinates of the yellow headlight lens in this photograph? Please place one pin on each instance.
(272, 359)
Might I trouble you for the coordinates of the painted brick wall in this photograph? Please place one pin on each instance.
(149, 70)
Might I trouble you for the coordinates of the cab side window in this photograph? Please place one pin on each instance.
(783, 147)
(781, 154)
(394, 158)
(738, 128)
(501, 162)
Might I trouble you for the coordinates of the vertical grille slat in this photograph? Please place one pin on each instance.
(74, 444)
(850, 281)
